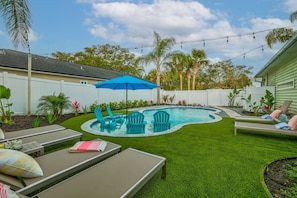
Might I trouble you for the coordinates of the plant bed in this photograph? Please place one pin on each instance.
(26, 122)
(277, 178)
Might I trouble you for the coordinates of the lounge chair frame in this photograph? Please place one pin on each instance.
(121, 175)
(58, 165)
(283, 108)
(261, 127)
(31, 132)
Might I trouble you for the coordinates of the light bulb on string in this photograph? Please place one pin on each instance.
(227, 41)
(203, 43)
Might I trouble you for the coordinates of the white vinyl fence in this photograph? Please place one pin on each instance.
(87, 94)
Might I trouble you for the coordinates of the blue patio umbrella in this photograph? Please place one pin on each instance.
(126, 83)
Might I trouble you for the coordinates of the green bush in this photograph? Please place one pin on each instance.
(53, 105)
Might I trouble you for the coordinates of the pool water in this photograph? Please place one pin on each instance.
(179, 116)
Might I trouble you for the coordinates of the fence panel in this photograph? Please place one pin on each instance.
(88, 94)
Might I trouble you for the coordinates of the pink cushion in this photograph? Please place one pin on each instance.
(293, 123)
(276, 113)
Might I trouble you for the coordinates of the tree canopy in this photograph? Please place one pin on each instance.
(17, 18)
(104, 56)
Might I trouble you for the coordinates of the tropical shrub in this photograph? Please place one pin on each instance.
(171, 98)
(6, 113)
(268, 101)
(165, 98)
(53, 105)
(76, 106)
(253, 105)
(232, 96)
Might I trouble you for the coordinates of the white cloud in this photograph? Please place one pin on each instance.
(291, 5)
(189, 22)
(138, 21)
(33, 36)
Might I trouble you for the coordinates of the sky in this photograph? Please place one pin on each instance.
(224, 29)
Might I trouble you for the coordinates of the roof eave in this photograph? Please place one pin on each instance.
(270, 64)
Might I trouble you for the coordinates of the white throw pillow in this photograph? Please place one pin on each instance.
(16, 163)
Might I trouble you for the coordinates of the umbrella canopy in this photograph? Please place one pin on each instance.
(125, 83)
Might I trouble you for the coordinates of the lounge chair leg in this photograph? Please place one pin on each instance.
(235, 130)
(164, 172)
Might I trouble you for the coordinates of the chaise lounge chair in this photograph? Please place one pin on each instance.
(49, 139)
(275, 114)
(58, 165)
(161, 121)
(31, 132)
(135, 123)
(121, 175)
(292, 124)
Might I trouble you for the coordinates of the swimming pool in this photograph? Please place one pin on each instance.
(179, 116)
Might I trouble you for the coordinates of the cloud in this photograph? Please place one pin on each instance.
(139, 21)
(291, 5)
(193, 25)
(33, 36)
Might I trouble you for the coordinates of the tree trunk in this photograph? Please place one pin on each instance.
(180, 72)
(195, 71)
(158, 73)
(189, 78)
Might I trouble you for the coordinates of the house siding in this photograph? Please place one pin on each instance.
(282, 74)
(48, 76)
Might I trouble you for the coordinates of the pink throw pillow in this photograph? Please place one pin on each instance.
(276, 113)
(293, 123)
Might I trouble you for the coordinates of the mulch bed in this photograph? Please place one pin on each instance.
(26, 122)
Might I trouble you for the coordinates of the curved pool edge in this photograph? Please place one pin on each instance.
(86, 126)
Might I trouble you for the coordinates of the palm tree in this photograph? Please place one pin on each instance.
(188, 62)
(281, 34)
(293, 16)
(198, 57)
(17, 17)
(158, 56)
(176, 64)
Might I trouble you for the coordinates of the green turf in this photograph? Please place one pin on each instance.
(206, 160)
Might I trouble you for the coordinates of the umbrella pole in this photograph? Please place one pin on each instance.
(126, 99)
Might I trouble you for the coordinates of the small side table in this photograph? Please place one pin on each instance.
(33, 147)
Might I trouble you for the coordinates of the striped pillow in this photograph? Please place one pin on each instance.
(5, 192)
(16, 163)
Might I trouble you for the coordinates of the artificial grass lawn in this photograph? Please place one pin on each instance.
(206, 160)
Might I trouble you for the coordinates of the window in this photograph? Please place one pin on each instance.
(288, 84)
(83, 82)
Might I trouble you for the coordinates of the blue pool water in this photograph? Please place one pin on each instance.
(179, 116)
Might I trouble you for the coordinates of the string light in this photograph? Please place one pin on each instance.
(224, 37)
(215, 39)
